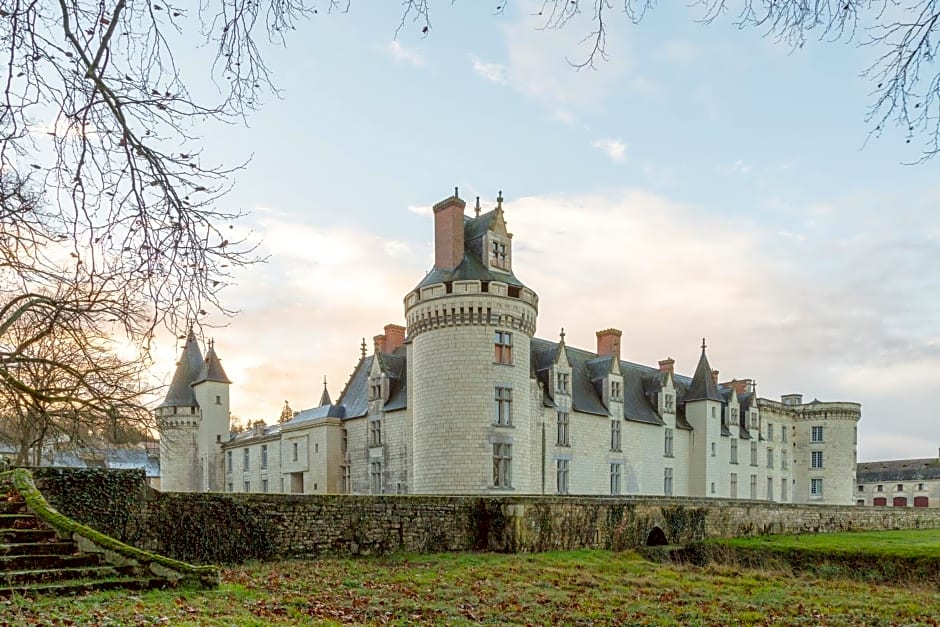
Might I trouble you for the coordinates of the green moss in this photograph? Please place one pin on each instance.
(22, 480)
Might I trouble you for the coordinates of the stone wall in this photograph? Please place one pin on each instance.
(312, 525)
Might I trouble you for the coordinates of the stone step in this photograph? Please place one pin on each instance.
(48, 562)
(38, 548)
(21, 520)
(82, 587)
(12, 507)
(8, 536)
(13, 578)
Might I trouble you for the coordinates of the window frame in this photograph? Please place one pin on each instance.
(502, 465)
(502, 347)
(562, 428)
(502, 406)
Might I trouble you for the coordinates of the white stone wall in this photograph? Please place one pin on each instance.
(179, 442)
(454, 377)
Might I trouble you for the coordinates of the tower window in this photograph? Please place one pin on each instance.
(502, 465)
(562, 385)
(375, 474)
(218, 400)
(815, 487)
(816, 434)
(503, 347)
(817, 459)
(615, 472)
(503, 406)
(667, 442)
(561, 476)
(667, 481)
(616, 390)
(734, 451)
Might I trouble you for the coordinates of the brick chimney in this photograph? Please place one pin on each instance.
(740, 387)
(608, 343)
(667, 365)
(379, 343)
(715, 376)
(394, 337)
(448, 232)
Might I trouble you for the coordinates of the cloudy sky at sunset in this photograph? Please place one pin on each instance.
(703, 181)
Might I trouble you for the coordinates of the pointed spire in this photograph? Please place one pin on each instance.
(499, 201)
(180, 392)
(325, 397)
(362, 348)
(703, 386)
(476, 209)
(212, 369)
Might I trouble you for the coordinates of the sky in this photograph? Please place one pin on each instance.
(703, 181)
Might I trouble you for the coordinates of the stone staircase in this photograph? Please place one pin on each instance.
(35, 560)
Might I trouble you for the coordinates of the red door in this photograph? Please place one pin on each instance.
(880, 500)
(900, 501)
(921, 501)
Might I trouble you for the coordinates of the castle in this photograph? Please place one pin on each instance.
(466, 400)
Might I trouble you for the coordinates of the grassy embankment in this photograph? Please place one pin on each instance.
(586, 587)
(899, 557)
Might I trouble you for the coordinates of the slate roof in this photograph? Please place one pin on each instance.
(471, 267)
(212, 369)
(703, 386)
(188, 369)
(898, 470)
(354, 399)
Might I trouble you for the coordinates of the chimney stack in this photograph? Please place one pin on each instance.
(394, 337)
(608, 343)
(379, 343)
(448, 232)
(667, 365)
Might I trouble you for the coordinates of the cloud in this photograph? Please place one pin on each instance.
(565, 117)
(401, 53)
(494, 72)
(855, 323)
(613, 148)
(421, 210)
(738, 168)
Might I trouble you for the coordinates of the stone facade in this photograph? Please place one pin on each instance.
(899, 483)
(465, 399)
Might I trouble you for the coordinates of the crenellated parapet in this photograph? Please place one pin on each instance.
(471, 303)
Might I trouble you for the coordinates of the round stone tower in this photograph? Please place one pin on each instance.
(178, 420)
(470, 323)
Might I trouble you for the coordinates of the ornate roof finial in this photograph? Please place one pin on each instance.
(324, 380)
(211, 343)
(362, 348)
(562, 335)
(499, 200)
(477, 208)
(456, 192)
(703, 344)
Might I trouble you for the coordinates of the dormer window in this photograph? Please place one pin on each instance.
(375, 389)
(669, 403)
(498, 256)
(562, 386)
(616, 390)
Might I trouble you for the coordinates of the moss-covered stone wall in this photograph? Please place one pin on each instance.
(233, 527)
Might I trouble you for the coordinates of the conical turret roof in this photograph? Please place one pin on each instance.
(188, 368)
(212, 368)
(703, 386)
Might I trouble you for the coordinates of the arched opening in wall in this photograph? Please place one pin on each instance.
(880, 501)
(900, 501)
(656, 537)
(921, 501)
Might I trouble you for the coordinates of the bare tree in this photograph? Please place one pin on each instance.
(62, 386)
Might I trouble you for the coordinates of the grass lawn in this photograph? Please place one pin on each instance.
(576, 587)
(909, 543)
